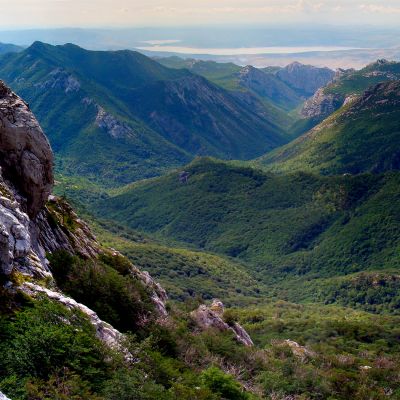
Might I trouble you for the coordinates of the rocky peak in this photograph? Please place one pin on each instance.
(250, 72)
(305, 78)
(340, 72)
(380, 62)
(248, 69)
(267, 85)
(25, 153)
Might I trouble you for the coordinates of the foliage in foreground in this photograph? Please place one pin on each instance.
(51, 353)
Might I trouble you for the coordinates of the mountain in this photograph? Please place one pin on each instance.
(363, 136)
(114, 117)
(232, 77)
(305, 79)
(219, 73)
(9, 48)
(279, 91)
(268, 87)
(296, 79)
(346, 85)
(261, 92)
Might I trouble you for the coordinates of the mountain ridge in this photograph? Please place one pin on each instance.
(151, 109)
(360, 137)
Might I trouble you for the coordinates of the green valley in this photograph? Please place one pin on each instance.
(116, 117)
(289, 230)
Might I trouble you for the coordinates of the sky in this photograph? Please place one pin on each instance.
(16, 14)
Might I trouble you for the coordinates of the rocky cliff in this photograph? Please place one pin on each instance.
(26, 156)
(33, 223)
(321, 105)
(305, 79)
(268, 86)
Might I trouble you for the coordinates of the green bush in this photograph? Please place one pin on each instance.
(133, 385)
(60, 386)
(45, 339)
(118, 299)
(222, 384)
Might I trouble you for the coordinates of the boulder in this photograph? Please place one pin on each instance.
(212, 318)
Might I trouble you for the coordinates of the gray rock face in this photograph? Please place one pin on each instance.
(62, 80)
(115, 128)
(212, 317)
(305, 78)
(16, 249)
(104, 331)
(259, 81)
(3, 397)
(321, 105)
(268, 86)
(384, 94)
(51, 235)
(159, 296)
(25, 153)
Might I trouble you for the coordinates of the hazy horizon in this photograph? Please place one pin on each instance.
(133, 13)
(323, 32)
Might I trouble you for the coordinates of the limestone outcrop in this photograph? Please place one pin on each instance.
(321, 105)
(53, 233)
(301, 352)
(16, 247)
(3, 397)
(212, 317)
(104, 331)
(25, 153)
(158, 294)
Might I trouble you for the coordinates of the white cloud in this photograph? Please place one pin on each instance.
(374, 8)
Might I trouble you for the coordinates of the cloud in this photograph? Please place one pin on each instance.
(374, 8)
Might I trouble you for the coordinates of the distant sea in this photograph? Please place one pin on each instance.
(242, 50)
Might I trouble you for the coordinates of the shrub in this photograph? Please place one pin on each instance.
(133, 385)
(120, 300)
(222, 384)
(46, 338)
